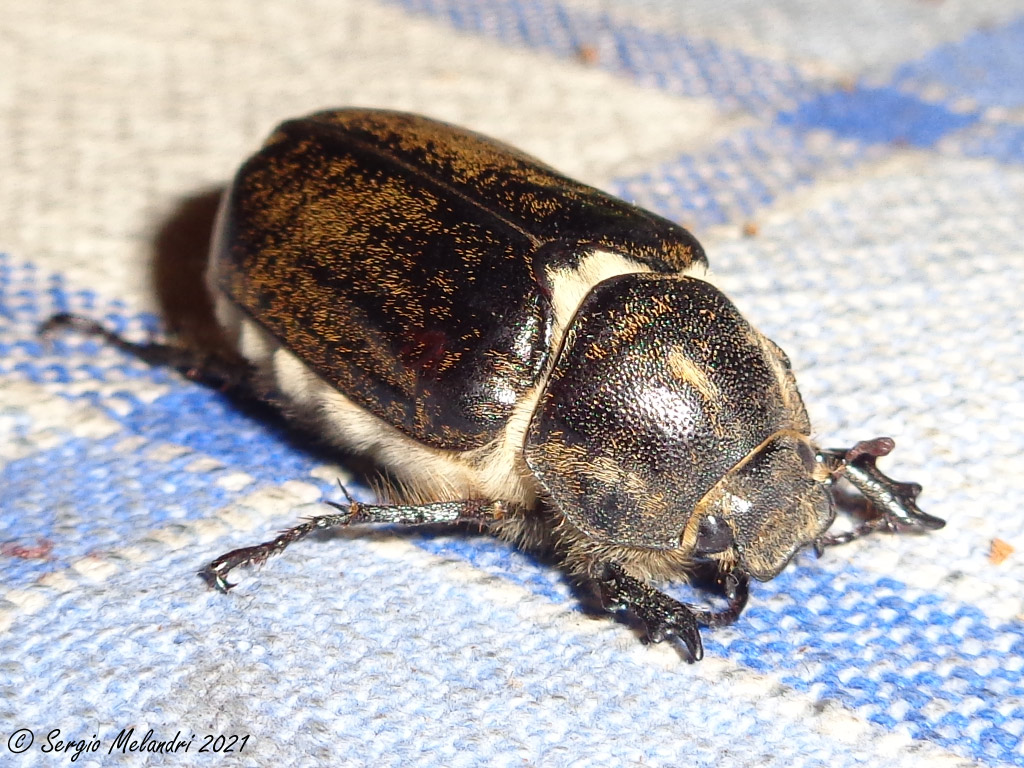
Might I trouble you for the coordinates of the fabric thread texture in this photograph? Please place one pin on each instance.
(856, 176)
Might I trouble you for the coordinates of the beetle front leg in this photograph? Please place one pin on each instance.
(661, 615)
(354, 513)
(895, 503)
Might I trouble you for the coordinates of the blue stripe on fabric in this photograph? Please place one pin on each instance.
(744, 174)
(27, 298)
(897, 656)
(986, 66)
(1003, 142)
(877, 116)
(189, 415)
(499, 558)
(762, 164)
(60, 492)
(889, 114)
(24, 293)
(669, 61)
(89, 495)
(206, 422)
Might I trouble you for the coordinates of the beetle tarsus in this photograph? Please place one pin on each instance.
(215, 574)
(663, 617)
(893, 502)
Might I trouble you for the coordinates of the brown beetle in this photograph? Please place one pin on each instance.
(529, 354)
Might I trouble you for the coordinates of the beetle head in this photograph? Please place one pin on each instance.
(765, 508)
(669, 423)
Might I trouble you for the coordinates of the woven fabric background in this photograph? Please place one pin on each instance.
(856, 174)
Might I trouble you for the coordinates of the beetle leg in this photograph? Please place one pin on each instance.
(217, 371)
(894, 503)
(353, 513)
(661, 615)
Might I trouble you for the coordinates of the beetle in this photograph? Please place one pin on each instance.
(525, 353)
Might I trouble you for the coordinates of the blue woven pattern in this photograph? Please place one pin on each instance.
(860, 192)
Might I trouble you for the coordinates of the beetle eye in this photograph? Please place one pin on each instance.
(713, 536)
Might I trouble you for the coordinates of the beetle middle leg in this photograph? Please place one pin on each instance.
(354, 513)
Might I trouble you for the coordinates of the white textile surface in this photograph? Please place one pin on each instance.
(856, 175)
